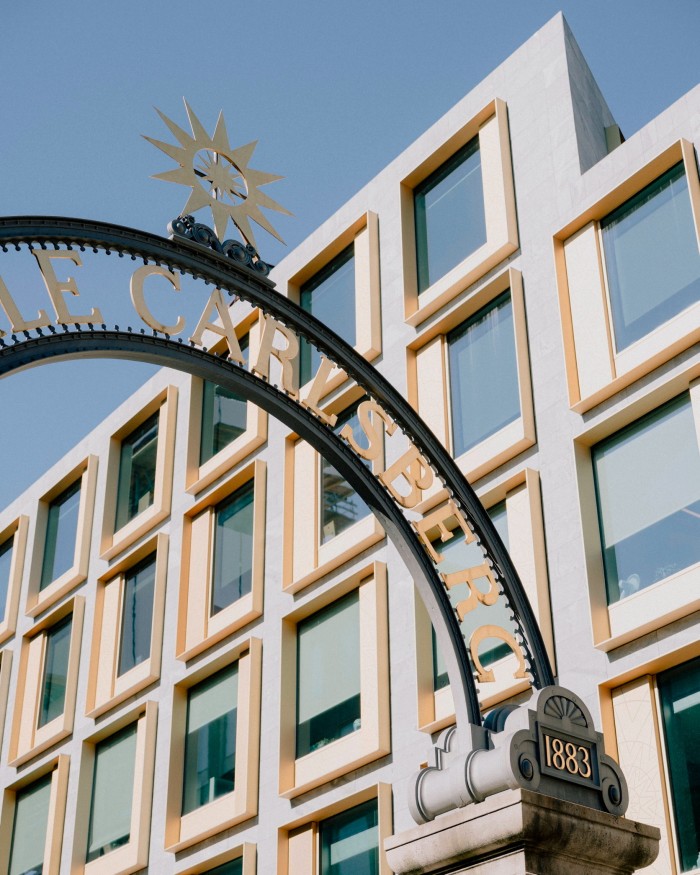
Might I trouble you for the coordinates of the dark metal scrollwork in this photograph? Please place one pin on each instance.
(244, 254)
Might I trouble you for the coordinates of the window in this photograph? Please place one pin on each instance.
(484, 387)
(112, 793)
(55, 677)
(30, 828)
(341, 506)
(137, 615)
(350, 841)
(328, 700)
(679, 691)
(61, 532)
(651, 257)
(210, 741)
(224, 415)
(449, 215)
(647, 479)
(330, 297)
(234, 867)
(137, 471)
(233, 549)
(6, 553)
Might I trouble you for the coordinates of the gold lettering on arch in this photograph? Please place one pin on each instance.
(469, 576)
(486, 675)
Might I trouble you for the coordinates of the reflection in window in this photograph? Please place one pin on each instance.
(341, 506)
(137, 471)
(61, 533)
(449, 210)
(29, 829)
(680, 702)
(648, 491)
(233, 549)
(137, 615)
(350, 841)
(112, 793)
(455, 552)
(651, 257)
(484, 391)
(53, 686)
(223, 415)
(328, 698)
(234, 867)
(210, 741)
(330, 297)
(5, 568)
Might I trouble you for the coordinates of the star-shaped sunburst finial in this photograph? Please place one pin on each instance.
(219, 177)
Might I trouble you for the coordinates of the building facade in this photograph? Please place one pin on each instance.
(211, 657)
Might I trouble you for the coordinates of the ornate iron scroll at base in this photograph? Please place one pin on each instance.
(548, 745)
(243, 254)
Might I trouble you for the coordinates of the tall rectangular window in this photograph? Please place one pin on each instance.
(224, 415)
(233, 867)
(210, 741)
(29, 828)
(61, 533)
(484, 387)
(112, 793)
(350, 841)
(651, 257)
(679, 690)
(647, 480)
(449, 214)
(55, 678)
(341, 506)
(137, 615)
(5, 568)
(233, 549)
(137, 471)
(330, 297)
(328, 698)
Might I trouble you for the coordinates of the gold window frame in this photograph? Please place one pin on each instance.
(17, 530)
(39, 600)
(196, 629)
(183, 831)
(662, 602)
(58, 768)
(26, 739)
(113, 542)
(491, 127)
(373, 739)
(5, 669)
(363, 235)
(105, 688)
(522, 496)
(198, 477)
(299, 851)
(133, 856)
(595, 371)
(428, 370)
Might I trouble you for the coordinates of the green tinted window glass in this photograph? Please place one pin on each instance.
(53, 687)
(137, 471)
(484, 389)
(112, 793)
(679, 689)
(5, 568)
(328, 698)
(234, 867)
(61, 532)
(648, 491)
(651, 257)
(137, 615)
(223, 415)
(330, 297)
(496, 650)
(449, 211)
(210, 742)
(350, 842)
(341, 506)
(29, 828)
(233, 549)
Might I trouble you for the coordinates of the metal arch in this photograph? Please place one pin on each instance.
(201, 262)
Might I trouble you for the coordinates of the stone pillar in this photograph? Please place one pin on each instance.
(520, 832)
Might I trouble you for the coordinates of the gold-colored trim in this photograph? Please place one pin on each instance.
(17, 530)
(247, 851)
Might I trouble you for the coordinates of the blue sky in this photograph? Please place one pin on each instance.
(332, 91)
